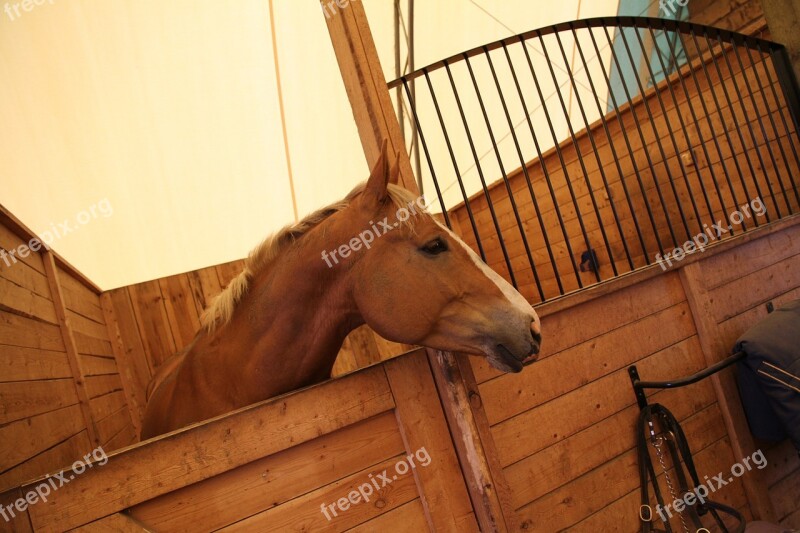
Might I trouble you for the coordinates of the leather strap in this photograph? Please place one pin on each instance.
(681, 457)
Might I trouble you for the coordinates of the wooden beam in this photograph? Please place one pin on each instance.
(423, 425)
(128, 352)
(26, 234)
(488, 488)
(725, 388)
(374, 116)
(366, 87)
(78, 375)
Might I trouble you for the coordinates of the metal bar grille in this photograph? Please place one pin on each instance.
(573, 154)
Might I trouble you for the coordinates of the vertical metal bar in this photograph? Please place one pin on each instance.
(549, 183)
(637, 122)
(507, 183)
(771, 84)
(524, 167)
(628, 145)
(767, 144)
(614, 155)
(577, 150)
(482, 178)
(418, 126)
(725, 130)
(691, 69)
(661, 151)
(774, 128)
(749, 126)
(684, 129)
(560, 155)
(669, 126)
(596, 155)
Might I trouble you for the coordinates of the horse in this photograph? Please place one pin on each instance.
(377, 257)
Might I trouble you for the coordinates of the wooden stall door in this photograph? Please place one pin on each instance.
(293, 463)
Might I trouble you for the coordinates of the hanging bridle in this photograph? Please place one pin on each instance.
(672, 435)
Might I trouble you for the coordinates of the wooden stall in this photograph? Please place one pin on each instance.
(59, 381)
(550, 448)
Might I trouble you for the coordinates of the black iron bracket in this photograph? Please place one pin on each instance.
(639, 386)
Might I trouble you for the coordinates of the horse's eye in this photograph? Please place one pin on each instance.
(435, 247)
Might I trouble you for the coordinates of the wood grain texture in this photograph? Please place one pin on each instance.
(216, 446)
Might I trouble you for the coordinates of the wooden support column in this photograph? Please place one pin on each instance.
(374, 115)
(725, 388)
(78, 375)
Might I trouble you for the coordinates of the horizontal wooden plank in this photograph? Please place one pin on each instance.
(561, 509)
(101, 385)
(26, 277)
(126, 437)
(549, 378)
(622, 514)
(756, 288)
(19, 522)
(81, 324)
(92, 345)
(547, 470)
(25, 302)
(27, 364)
(21, 440)
(724, 268)
(104, 406)
(598, 317)
(97, 366)
(275, 480)
(17, 330)
(304, 513)
(108, 427)
(599, 398)
(79, 298)
(24, 399)
(10, 241)
(407, 518)
(51, 460)
(116, 523)
(163, 465)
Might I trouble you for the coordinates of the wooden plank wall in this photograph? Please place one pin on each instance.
(271, 466)
(564, 428)
(60, 390)
(743, 133)
(744, 16)
(155, 319)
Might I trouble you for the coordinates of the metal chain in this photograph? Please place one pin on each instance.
(658, 442)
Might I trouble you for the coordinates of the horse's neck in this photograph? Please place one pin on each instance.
(288, 329)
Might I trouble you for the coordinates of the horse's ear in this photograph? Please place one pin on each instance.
(394, 170)
(376, 188)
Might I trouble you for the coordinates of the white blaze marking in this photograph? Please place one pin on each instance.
(512, 295)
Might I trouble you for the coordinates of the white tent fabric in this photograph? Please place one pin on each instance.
(144, 138)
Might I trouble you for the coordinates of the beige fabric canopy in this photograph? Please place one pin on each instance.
(145, 138)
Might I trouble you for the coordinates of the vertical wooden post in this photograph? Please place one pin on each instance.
(375, 118)
(78, 375)
(725, 389)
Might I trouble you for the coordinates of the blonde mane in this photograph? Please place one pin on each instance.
(220, 311)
